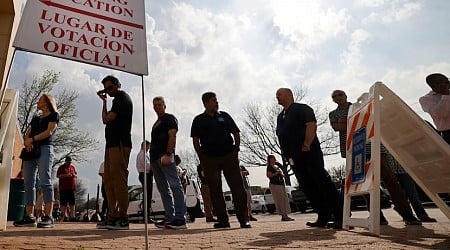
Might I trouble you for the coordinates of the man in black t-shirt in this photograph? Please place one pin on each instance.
(117, 153)
(216, 140)
(162, 156)
(296, 131)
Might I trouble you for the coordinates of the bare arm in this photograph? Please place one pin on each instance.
(172, 140)
(237, 140)
(310, 134)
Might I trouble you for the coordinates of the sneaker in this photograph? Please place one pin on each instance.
(161, 224)
(46, 222)
(177, 224)
(103, 224)
(245, 224)
(26, 221)
(120, 224)
(287, 219)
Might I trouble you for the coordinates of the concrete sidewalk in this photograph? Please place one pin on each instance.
(267, 233)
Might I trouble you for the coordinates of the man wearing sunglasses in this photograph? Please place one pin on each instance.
(117, 153)
(437, 103)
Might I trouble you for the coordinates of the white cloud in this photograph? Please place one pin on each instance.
(395, 11)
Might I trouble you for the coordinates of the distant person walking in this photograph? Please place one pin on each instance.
(277, 188)
(245, 173)
(216, 140)
(67, 175)
(143, 167)
(117, 153)
(40, 135)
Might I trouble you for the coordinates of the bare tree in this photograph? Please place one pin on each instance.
(69, 140)
(337, 173)
(259, 139)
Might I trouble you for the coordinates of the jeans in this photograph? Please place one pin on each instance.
(42, 166)
(167, 181)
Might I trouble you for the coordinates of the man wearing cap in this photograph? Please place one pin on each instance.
(67, 175)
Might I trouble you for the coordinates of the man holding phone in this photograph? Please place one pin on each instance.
(117, 152)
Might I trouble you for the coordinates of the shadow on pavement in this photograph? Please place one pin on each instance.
(282, 238)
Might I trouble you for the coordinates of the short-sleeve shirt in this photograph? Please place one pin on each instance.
(119, 130)
(39, 124)
(277, 179)
(291, 128)
(215, 133)
(160, 135)
(67, 183)
(334, 116)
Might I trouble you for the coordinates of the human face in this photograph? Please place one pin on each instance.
(42, 103)
(281, 96)
(272, 161)
(110, 88)
(159, 106)
(339, 97)
(212, 105)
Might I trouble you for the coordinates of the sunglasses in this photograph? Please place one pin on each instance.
(110, 87)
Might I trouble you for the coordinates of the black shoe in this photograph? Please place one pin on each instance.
(221, 224)
(287, 219)
(411, 220)
(246, 225)
(26, 221)
(161, 224)
(46, 222)
(121, 224)
(426, 218)
(317, 223)
(253, 218)
(177, 224)
(335, 224)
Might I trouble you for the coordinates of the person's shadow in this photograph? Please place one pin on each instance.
(284, 238)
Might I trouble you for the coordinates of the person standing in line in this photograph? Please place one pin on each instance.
(409, 186)
(338, 120)
(216, 140)
(296, 131)
(245, 173)
(117, 152)
(182, 173)
(437, 103)
(104, 213)
(40, 134)
(162, 155)
(204, 189)
(144, 156)
(277, 188)
(67, 175)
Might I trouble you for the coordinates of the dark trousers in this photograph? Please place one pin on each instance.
(317, 185)
(104, 203)
(229, 165)
(446, 136)
(409, 186)
(398, 196)
(149, 190)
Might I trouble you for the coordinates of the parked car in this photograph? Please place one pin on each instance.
(270, 205)
(358, 202)
(258, 204)
(194, 202)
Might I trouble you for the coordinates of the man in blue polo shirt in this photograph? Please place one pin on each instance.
(216, 140)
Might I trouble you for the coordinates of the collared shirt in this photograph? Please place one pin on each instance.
(438, 106)
(334, 116)
(140, 161)
(215, 133)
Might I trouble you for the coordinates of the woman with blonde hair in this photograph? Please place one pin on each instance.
(39, 137)
(277, 188)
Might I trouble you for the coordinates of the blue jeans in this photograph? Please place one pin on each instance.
(43, 166)
(167, 181)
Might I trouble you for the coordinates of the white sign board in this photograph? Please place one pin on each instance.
(107, 33)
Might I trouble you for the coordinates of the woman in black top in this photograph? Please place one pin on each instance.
(40, 135)
(277, 188)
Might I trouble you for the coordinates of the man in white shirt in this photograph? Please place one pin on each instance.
(144, 156)
(437, 103)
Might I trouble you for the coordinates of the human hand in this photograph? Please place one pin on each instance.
(102, 94)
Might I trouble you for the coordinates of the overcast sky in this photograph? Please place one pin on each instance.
(245, 50)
